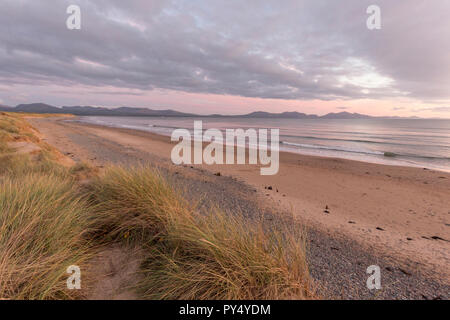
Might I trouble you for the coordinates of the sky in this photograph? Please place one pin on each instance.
(229, 57)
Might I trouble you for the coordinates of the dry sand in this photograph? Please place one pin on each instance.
(398, 212)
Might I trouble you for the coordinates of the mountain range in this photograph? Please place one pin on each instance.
(134, 112)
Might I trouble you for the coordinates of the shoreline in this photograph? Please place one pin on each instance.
(397, 160)
(391, 210)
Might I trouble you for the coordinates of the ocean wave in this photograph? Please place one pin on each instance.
(399, 143)
(166, 127)
(342, 149)
(361, 151)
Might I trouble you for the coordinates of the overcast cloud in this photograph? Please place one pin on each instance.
(301, 50)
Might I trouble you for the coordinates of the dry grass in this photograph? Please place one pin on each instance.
(19, 165)
(83, 171)
(190, 255)
(42, 223)
(14, 128)
(42, 218)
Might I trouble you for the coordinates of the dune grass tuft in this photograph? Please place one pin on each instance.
(43, 218)
(42, 223)
(18, 165)
(193, 255)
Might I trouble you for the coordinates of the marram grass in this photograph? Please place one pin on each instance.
(42, 222)
(192, 255)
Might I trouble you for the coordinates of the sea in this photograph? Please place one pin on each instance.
(406, 142)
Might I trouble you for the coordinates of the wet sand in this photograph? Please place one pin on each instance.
(398, 216)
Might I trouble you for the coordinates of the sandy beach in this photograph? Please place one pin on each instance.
(357, 214)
